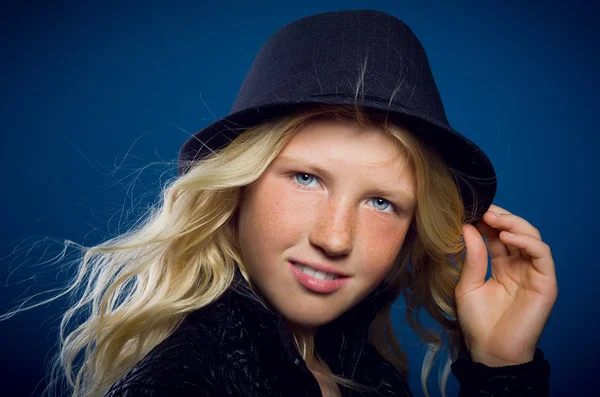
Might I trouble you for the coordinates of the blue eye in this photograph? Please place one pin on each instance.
(301, 181)
(305, 180)
(387, 203)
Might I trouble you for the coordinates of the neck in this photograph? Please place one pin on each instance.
(306, 333)
(300, 327)
(300, 331)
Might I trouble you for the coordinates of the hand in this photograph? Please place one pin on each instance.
(503, 318)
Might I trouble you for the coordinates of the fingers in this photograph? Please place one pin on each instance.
(475, 267)
(495, 243)
(492, 236)
(525, 242)
(537, 250)
(498, 219)
(510, 222)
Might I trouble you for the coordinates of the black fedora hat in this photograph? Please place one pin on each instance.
(317, 60)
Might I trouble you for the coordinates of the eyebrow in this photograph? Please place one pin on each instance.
(301, 163)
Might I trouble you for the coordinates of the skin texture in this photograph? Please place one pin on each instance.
(333, 218)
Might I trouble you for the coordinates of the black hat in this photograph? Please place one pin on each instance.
(318, 59)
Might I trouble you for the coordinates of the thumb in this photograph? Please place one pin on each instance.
(475, 267)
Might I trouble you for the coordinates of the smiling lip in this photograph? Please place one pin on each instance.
(315, 284)
(323, 268)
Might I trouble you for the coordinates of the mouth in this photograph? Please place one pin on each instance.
(316, 280)
(314, 268)
(321, 275)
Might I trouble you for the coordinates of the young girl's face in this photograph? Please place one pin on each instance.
(336, 198)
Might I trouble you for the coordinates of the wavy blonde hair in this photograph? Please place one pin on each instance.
(135, 289)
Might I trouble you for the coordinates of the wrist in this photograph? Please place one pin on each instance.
(492, 361)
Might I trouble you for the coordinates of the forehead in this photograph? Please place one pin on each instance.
(342, 150)
(331, 140)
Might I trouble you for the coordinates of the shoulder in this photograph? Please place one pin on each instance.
(184, 364)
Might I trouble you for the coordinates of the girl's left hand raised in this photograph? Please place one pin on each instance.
(503, 318)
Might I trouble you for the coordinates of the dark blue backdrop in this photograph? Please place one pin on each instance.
(92, 92)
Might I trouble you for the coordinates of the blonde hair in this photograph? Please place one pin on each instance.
(138, 287)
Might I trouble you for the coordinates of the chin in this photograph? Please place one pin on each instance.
(310, 317)
(305, 322)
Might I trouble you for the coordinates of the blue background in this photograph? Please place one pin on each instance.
(93, 93)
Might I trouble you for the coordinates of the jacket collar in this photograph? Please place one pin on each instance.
(339, 342)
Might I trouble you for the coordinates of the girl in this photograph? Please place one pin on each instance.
(271, 267)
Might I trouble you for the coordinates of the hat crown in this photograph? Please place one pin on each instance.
(356, 53)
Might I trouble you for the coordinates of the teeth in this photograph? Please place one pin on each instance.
(308, 270)
(316, 273)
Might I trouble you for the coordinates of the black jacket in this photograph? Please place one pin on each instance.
(236, 347)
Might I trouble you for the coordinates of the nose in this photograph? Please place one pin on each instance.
(333, 230)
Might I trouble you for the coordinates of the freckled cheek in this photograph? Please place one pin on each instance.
(278, 222)
(283, 213)
(383, 244)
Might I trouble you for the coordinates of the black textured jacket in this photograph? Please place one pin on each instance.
(236, 347)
